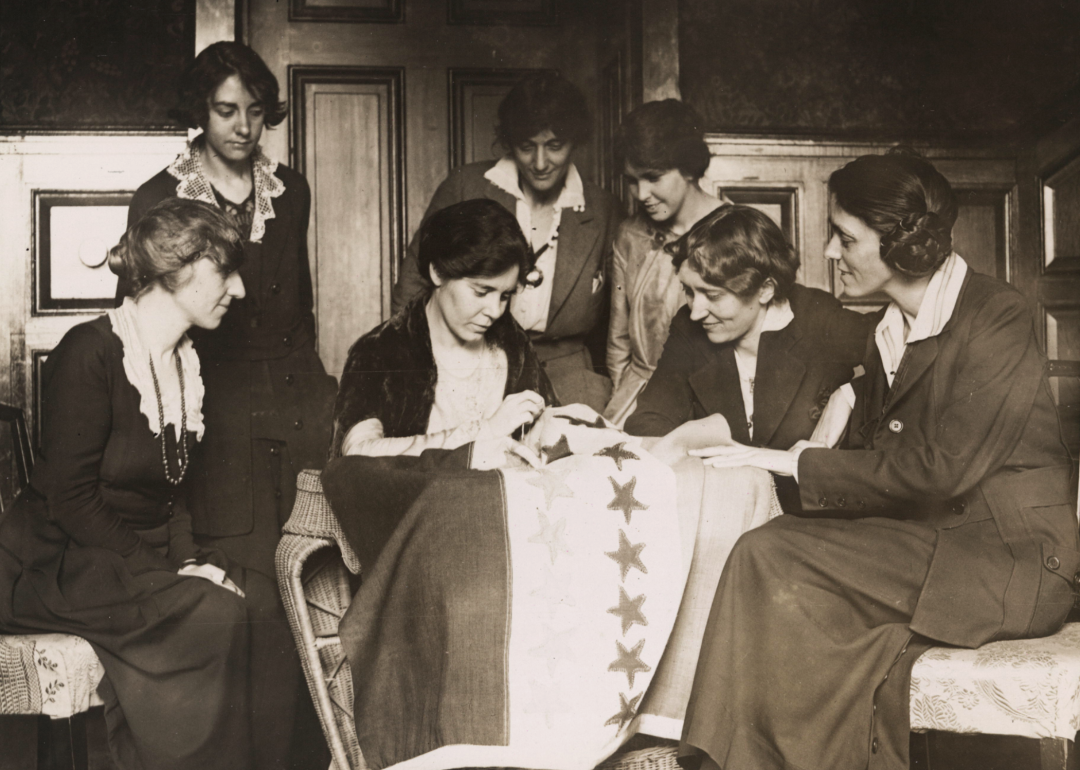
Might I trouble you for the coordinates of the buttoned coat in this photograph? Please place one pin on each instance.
(263, 377)
(578, 314)
(967, 432)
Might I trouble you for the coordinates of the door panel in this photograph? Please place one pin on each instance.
(348, 132)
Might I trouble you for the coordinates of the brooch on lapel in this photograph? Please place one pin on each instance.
(819, 405)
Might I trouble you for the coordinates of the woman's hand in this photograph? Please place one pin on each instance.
(516, 410)
(213, 574)
(778, 461)
(711, 431)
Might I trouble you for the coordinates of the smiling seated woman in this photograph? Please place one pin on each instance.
(454, 366)
(751, 346)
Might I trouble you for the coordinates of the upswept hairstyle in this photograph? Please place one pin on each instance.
(171, 235)
(543, 102)
(664, 135)
(907, 201)
(738, 248)
(472, 239)
(215, 65)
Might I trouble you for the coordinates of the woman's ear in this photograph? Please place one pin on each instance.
(767, 292)
(434, 275)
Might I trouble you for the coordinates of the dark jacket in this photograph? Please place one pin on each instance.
(390, 373)
(798, 368)
(578, 315)
(967, 433)
(263, 376)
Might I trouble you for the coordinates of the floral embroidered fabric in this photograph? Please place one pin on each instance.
(194, 184)
(53, 674)
(1026, 687)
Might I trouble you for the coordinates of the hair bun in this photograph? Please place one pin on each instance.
(118, 259)
(918, 244)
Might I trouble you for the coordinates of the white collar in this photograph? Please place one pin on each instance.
(194, 184)
(137, 369)
(504, 175)
(937, 305)
(778, 315)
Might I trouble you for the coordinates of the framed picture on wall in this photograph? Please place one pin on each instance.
(517, 12)
(73, 231)
(377, 11)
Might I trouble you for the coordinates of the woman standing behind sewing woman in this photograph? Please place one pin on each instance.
(664, 155)
(454, 366)
(568, 222)
(100, 543)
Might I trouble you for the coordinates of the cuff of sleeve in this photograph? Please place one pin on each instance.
(849, 394)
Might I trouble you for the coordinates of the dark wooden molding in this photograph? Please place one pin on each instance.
(390, 12)
(42, 203)
(393, 78)
(460, 81)
(530, 13)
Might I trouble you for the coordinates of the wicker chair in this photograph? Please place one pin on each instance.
(315, 566)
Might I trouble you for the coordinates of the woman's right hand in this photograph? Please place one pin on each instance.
(214, 574)
(516, 410)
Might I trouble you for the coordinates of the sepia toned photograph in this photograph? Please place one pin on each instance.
(539, 384)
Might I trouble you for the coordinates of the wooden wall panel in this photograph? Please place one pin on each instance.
(347, 137)
(475, 95)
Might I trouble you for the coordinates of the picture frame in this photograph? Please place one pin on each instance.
(72, 232)
(348, 11)
(529, 13)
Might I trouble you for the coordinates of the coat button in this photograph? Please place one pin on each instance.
(274, 451)
(286, 340)
(823, 502)
(277, 493)
(841, 502)
(1053, 562)
(874, 746)
(958, 506)
(896, 425)
(254, 323)
(275, 288)
(289, 379)
(298, 425)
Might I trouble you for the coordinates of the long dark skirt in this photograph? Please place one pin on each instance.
(807, 657)
(190, 667)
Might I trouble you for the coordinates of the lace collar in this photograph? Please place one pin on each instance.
(504, 175)
(137, 369)
(194, 184)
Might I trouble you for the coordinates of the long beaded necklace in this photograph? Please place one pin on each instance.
(182, 447)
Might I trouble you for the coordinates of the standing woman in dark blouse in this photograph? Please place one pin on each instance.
(268, 398)
(100, 543)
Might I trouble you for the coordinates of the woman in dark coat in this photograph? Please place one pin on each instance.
(454, 366)
(100, 545)
(949, 516)
(750, 345)
(268, 397)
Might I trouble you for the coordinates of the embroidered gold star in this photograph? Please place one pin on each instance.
(629, 611)
(558, 450)
(551, 535)
(554, 485)
(627, 709)
(624, 498)
(618, 454)
(628, 555)
(629, 661)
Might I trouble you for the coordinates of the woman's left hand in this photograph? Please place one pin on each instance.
(778, 461)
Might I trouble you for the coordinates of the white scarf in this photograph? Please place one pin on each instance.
(137, 369)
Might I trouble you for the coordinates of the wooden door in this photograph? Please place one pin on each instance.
(385, 97)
